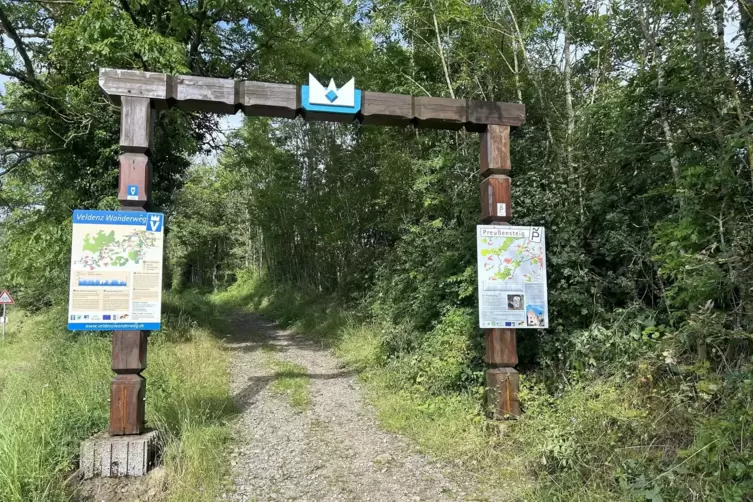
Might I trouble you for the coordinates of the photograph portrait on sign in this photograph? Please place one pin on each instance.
(515, 302)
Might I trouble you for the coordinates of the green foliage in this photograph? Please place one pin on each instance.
(36, 259)
(614, 347)
(596, 432)
(49, 405)
(207, 235)
(447, 358)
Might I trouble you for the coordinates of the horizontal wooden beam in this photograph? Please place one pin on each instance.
(270, 100)
(266, 99)
(440, 113)
(216, 95)
(483, 113)
(379, 108)
(139, 84)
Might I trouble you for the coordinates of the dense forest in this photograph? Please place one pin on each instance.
(636, 156)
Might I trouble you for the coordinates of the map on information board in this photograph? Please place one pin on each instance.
(512, 277)
(116, 270)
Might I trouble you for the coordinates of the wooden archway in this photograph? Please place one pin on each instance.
(141, 94)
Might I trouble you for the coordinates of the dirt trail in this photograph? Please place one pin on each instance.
(333, 450)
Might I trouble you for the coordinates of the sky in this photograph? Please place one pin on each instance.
(228, 124)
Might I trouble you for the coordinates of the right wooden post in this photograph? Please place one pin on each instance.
(501, 354)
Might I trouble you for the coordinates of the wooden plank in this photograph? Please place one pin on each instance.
(127, 405)
(213, 95)
(135, 169)
(483, 113)
(495, 199)
(379, 108)
(501, 349)
(140, 84)
(270, 100)
(129, 351)
(440, 113)
(502, 391)
(135, 124)
(495, 150)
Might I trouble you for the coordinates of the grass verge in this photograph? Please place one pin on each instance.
(54, 387)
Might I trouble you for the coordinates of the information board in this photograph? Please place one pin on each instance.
(512, 277)
(116, 270)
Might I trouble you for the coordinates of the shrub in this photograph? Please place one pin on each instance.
(448, 358)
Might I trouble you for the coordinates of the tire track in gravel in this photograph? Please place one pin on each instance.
(332, 451)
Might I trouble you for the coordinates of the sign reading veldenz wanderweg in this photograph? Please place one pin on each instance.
(116, 270)
(512, 277)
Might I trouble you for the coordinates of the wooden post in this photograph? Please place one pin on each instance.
(501, 354)
(128, 387)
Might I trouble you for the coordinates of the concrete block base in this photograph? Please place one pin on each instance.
(116, 456)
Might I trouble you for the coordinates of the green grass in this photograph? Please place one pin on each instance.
(292, 381)
(54, 389)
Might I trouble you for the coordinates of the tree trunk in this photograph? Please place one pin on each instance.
(570, 111)
(658, 61)
(746, 25)
(518, 90)
(534, 79)
(441, 54)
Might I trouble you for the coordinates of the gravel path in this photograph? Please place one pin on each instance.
(332, 451)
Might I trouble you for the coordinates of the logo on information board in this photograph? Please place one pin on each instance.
(155, 222)
(316, 97)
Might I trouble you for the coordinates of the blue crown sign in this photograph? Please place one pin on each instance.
(317, 98)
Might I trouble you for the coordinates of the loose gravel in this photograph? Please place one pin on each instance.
(333, 450)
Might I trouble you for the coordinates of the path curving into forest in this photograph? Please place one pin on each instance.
(306, 432)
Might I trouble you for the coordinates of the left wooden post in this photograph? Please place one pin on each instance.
(128, 387)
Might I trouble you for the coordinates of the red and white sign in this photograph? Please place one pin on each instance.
(5, 298)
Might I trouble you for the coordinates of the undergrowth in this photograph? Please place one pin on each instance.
(54, 390)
